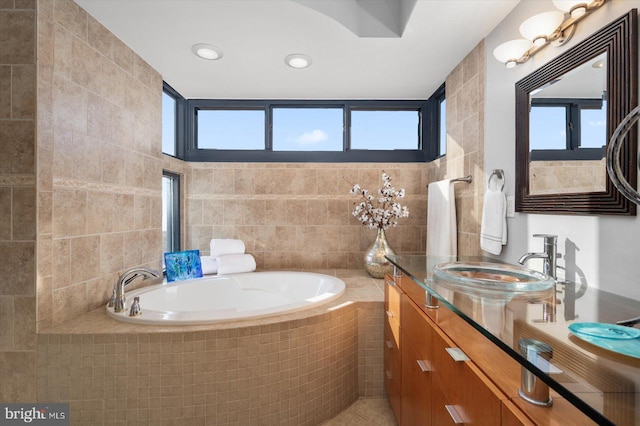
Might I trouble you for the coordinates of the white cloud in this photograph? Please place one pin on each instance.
(599, 123)
(313, 137)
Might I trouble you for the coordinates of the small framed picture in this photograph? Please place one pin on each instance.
(182, 265)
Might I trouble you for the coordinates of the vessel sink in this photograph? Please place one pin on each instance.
(491, 277)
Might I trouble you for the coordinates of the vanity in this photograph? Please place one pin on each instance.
(459, 356)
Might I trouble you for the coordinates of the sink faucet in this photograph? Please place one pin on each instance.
(124, 280)
(550, 254)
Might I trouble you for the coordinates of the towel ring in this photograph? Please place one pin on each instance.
(498, 173)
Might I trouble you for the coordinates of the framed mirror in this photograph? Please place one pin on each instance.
(566, 112)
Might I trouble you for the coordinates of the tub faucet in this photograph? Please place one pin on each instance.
(125, 279)
(550, 254)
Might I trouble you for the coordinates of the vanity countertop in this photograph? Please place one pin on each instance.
(598, 381)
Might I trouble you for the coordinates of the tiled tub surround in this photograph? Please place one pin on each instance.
(293, 215)
(297, 369)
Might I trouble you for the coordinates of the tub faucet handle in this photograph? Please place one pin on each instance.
(135, 307)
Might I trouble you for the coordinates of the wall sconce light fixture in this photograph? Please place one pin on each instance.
(555, 27)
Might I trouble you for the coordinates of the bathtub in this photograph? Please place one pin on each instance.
(235, 297)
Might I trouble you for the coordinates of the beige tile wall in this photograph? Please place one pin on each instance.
(17, 201)
(294, 216)
(99, 161)
(465, 147)
(300, 372)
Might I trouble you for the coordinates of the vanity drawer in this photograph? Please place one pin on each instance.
(417, 327)
(416, 386)
(465, 387)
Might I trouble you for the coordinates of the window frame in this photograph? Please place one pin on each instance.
(428, 130)
(193, 153)
(173, 235)
(180, 121)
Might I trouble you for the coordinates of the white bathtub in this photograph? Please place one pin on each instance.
(214, 299)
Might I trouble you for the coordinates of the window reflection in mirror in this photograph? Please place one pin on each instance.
(567, 131)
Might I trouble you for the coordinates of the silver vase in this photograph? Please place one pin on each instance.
(375, 262)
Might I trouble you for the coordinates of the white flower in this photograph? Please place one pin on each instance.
(387, 211)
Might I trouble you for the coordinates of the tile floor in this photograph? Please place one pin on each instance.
(365, 412)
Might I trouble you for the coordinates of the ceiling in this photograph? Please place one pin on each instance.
(361, 49)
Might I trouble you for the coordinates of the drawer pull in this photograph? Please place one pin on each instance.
(390, 344)
(457, 419)
(389, 375)
(424, 366)
(457, 354)
(390, 314)
(391, 283)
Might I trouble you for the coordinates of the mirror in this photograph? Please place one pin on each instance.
(566, 112)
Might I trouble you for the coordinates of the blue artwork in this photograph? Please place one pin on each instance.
(182, 265)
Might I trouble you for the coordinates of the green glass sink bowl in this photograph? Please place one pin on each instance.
(488, 276)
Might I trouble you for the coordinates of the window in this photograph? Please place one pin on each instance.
(172, 121)
(306, 130)
(442, 129)
(230, 129)
(170, 212)
(385, 130)
(567, 129)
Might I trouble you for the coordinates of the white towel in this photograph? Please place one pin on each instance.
(442, 238)
(222, 246)
(209, 265)
(493, 231)
(235, 264)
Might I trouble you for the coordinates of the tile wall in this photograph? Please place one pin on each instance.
(294, 216)
(465, 147)
(99, 162)
(17, 200)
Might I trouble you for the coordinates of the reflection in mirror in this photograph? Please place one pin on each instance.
(568, 131)
(566, 111)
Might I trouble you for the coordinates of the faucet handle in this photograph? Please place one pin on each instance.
(551, 237)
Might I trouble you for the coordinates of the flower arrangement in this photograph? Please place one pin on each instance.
(386, 213)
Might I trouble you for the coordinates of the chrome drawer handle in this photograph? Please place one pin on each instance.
(390, 314)
(424, 366)
(389, 375)
(390, 344)
(457, 419)
(457, 354)
(391, 283)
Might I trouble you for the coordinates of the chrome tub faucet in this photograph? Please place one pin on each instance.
(126, 278)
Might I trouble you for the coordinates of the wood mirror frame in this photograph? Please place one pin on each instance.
(619, 40)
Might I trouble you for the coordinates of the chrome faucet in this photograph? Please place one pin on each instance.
(550, 254)
(124, 280)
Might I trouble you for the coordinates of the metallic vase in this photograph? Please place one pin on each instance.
(374, 259)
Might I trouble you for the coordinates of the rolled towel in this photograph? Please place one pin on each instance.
(223, 246)
(209, 265)
(235, 264)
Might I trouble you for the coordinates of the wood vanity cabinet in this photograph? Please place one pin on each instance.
(427, 386)
(434, 389)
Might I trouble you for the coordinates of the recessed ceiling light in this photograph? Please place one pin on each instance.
(298, 61)
(207, 51)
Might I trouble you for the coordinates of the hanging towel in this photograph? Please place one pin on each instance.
(442, 238)
(493, 231)
(222, 246)
(209, 265)
(235, 264)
